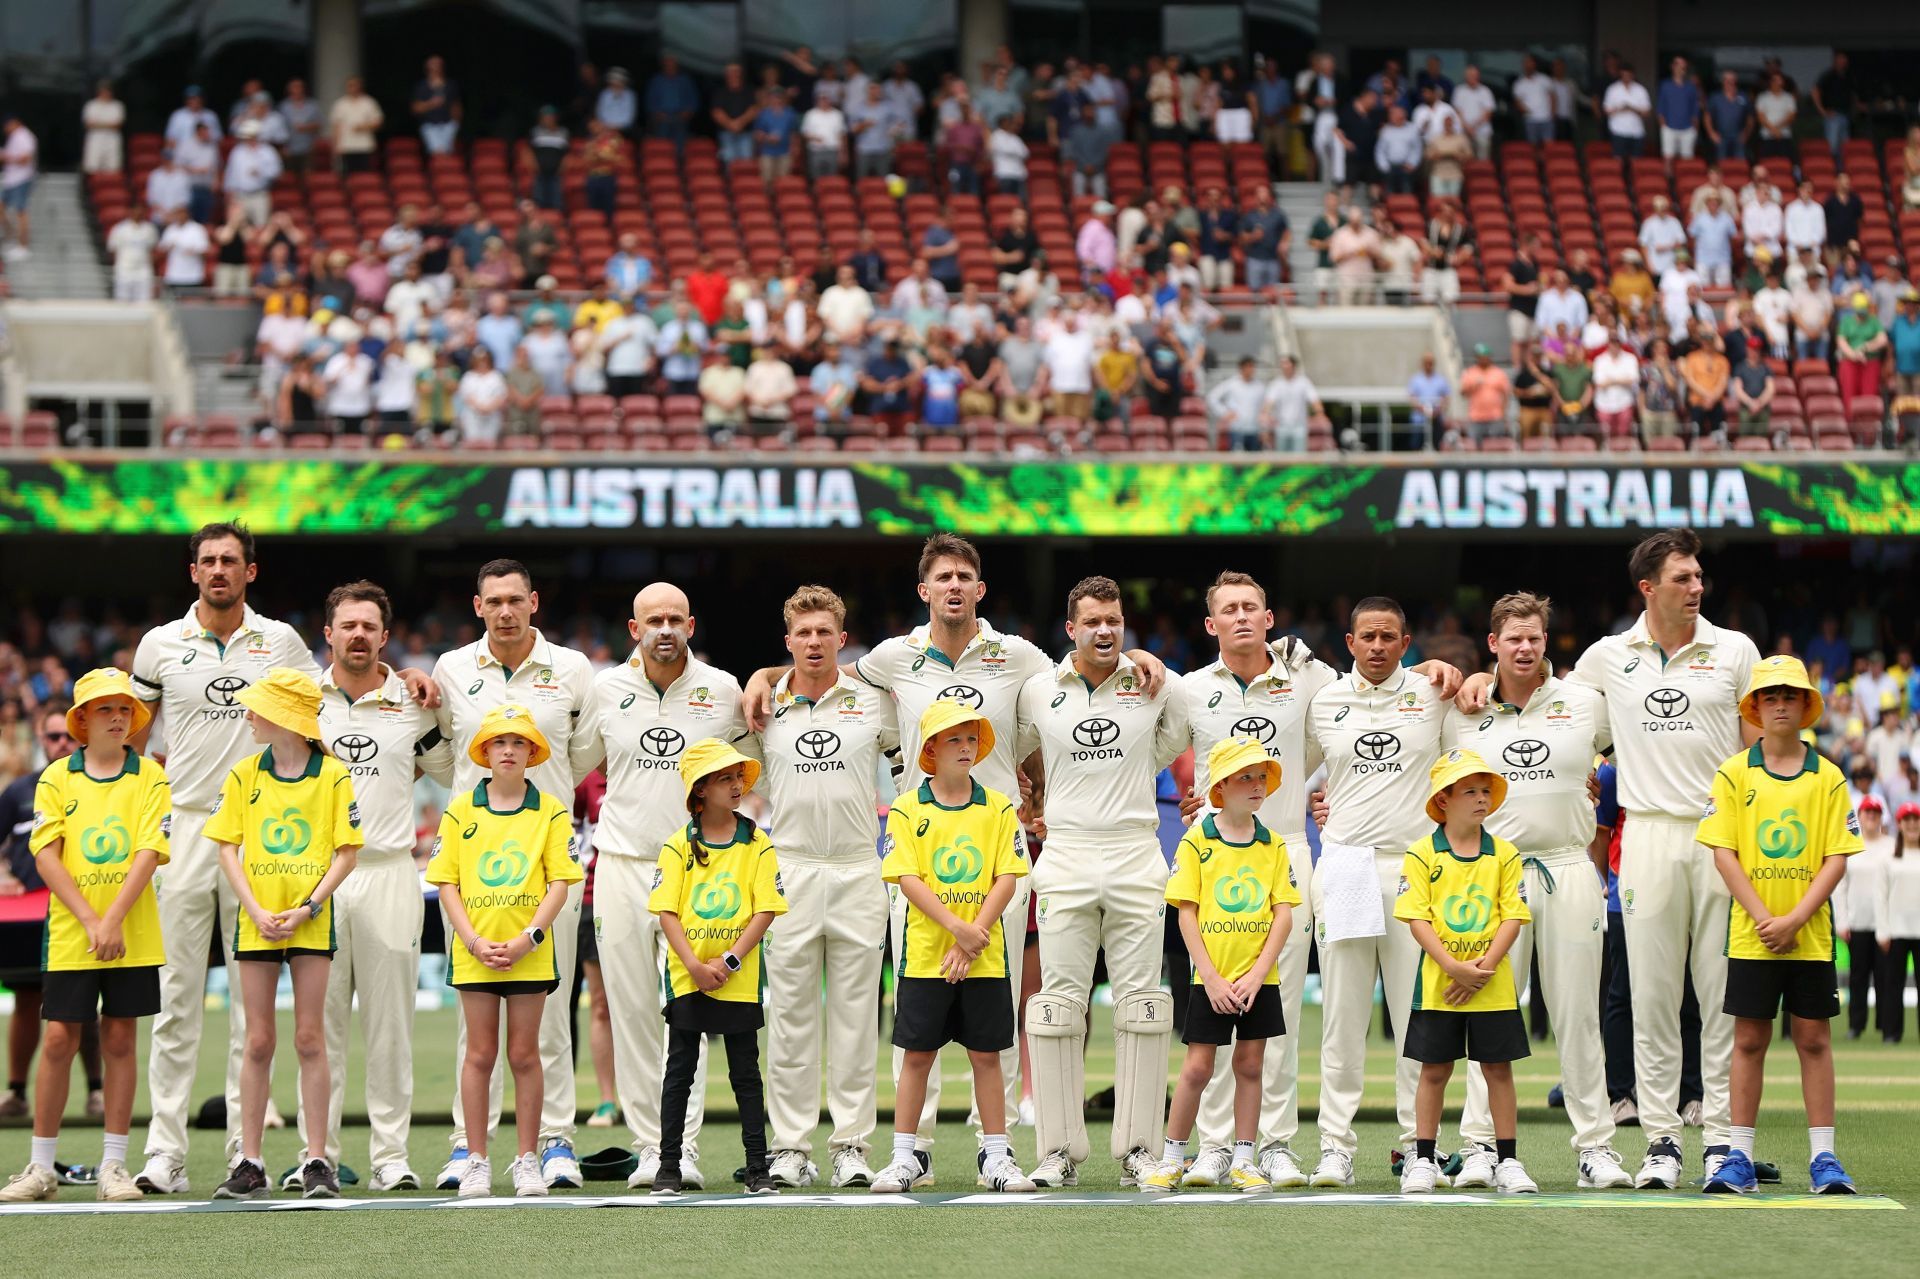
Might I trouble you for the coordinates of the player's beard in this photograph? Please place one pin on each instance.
(654, 644)
(357, 661)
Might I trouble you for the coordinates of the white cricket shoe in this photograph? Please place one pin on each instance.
(1511, 1179)
(1693, 1115)
(35, 1183)
(1661, 1171)
(691, 1178)
(476, 1178)
(1419, 1176)
(1209, 1168)
(1476, 1168)
(1054, 1172)
(528, 1181)
(897, 1177)
(646, 1166)
(1137, 1164)
(394, 1176)
(163, 1175)
(792, 1170)
(115, 1183)
(453, 1173)
(1600, 1170)
(1335, 1170)
(850, 1169)
(1000, 1173)
(1281, 1169)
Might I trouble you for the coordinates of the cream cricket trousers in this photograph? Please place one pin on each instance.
(836, 927)
(195, 900)
(1280, 1064)
(559, 1111)
(1569, 908)
(1670, 894)
(377, 914)
(633, 956)
(1347, 971)
(1013, 927)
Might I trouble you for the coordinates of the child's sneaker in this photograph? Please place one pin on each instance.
(453, 1174)
(528, 1180)
(1734, 1176)
(897, 1177)
(1209, 1168)
(1166, 1177)
(605, 1115)
(36, 1183)
(1246, 1180)
(1509, 1178)
(759, 1181)
(476, 1177)
(247, 1181)
(1829, 1178)
(116, 1184)
(318, 1180)
(1418, 1176)
(998, 1172)
(668, 1182)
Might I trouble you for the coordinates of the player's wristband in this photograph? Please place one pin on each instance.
(731, 960)
(313, 908)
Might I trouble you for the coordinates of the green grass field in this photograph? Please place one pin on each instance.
(1879, 1128)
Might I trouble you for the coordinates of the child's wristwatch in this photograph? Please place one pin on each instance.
(313, 908)
(537, 935)
(731, 960)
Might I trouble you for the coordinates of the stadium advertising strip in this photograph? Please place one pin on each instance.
(137, 495)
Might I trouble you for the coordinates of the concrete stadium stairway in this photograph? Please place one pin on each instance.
(65, 264)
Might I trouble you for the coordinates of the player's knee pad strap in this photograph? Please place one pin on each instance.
(1142, 1031)
(1056, 1041)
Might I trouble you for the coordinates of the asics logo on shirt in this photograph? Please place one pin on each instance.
(106, 843)
(286, 835)
(506, 864)
(1784, 838)
(355, 748)
(1239, 894)
(717, 899)
(226, 690)
(957, 862)
(1258, 727)
(1667, 703)
(1467, 912)
(965, 694)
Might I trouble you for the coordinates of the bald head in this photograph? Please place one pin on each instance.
(662, 624)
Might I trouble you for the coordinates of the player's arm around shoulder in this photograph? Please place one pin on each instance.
(1173, 736)
(559, 856)
(1415, 898)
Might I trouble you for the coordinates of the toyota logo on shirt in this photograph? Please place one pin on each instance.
(818, 743)
(1258, 727)
(1526, 753)
(965, 694)
(1097, 738)
(226, 690)
(1667, 703)
(662, 743)
(355, 748)
(1376, 747)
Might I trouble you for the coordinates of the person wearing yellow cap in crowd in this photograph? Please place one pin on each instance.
(504, 859)
(953, 848)
(1463, 894)
(100, 827)
(1781, 827)
(288, 832)
(716, 889)
(1235, 893)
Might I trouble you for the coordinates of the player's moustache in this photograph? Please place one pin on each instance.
(665, 635)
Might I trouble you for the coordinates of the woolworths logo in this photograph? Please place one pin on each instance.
(106, 843)
(717, 899)
(286, 835)
(1239, 894)
(504, 865)
(1784, 838)
(1467, 912)
(957, 862)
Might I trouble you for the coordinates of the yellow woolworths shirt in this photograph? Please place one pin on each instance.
(1235, 887)
(958, 853)
(1466, 899)
(1782, 828)
(103, 822)
(501, 864)
(287, 829)
(715, 900)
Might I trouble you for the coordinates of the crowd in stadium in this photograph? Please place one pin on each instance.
(1745, 284)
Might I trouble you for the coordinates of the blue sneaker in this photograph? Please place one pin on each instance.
(1734, 1176)
(1829, 1178)
(559, 1167)
(456, 1168)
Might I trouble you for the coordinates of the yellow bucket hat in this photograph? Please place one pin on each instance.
(287, 699)
(1233, 755)
(943, 715)
(506, 720)
(1455, 765)
(710, 755)
(1781, 672)
(96, 686)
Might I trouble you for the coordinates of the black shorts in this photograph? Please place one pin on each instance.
(281, 955)
(589, 952)
(703, 1013)
(930, 1012)
(1204, 1026)
(1498, 1034)
(1757, 988)
(505, 988)
(86, 994)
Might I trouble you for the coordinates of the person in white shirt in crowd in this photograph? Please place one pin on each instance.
(401, 242)
(1560, 303)
(1236, 406)
(1660, 235)
(1759, 186)
(168, 188)
(353, 121)
(1627, 108)
(1774, 306)
(410, 297)
(1713, 230)
(252, 166)
(1398, 151)
(192, 112)
(103, 117)
(1676, 283)
(1008, 155)
(394, 390)
(1474, 103)
(1764, 224)
(186, 244)
(845, 308)
(483, 399)
(1431, 116)
(131, 242)
(628, 343)
(199, 155)
(1533, 96)
(1291, 402)
(349, 381)
(1066, 367)
(1616, 387)
(919, 291)
(823, 130)
(550, 351)
(1775, 110)
(1805, 222)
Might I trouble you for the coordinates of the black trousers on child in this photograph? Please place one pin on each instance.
(743, 1073)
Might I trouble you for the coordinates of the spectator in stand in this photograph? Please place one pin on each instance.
(348, 377)
(301, 116)
(1775, 111)
(1628, 109)
(1887, 289)
(869, 265)
(1020, 362)
(131, 242)
(907, 98)
(19, 163)
(186, 244)
(888, 383)
(1236, 408)
(1447, 153)
(436, 399)
(1573, 386)
(980, 360)
(1705, 371)
(1488, 392)
(1660, 236)
(1474, 103)
(1399, 256)
(823, 130)
(1447, 248)
(1616, 388)
(252, 166)
(192, 112)
(1429, 392)
(941, 248)
(1660, 391)
(1007, 152)
(617, 106)
(940, 384)
(199, 156)
(996, 98)
(1805, 222)
(1909, 170)
(1533, 101)
(774, 127)
(1116, 377)
(1561, 304)
(1632, 286)
(629, 272)
(401, 242)
(966, 142)
(707, 289)
(1753, 388)
(168, 188)
(393, 391)
(499, 329)
(525, 389)
(671, 103)
(845, 310)
(1860, 343)
(1521, 284)
(920, 299)
(549, 350)
(1764, 226)
(1265, 239)
(769, 387)
(1904, 337)
(1096, 247)
(1066, 368)
(1359, 130)
(1678, 106)
(1713, 231)
(103, 117)
(534, 243)
(1219, 229)
(1273, 107)
(1834, 98)
(1714, 187)
(436, 108)
(732, 110)
(629, 341)
(1772, 306)
(877, 126)
(1085, 152)
(1580, 273)
(230, 275)
(834, 381)
(1812, 313)
(605, 156)
(1290, 404)
(1729, 119)
(369, 275)
(1353, 249)
(1162, 363)
(1843, 211)
(598, 309)
(722, 387)
(1433, 113)
(547, 146)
